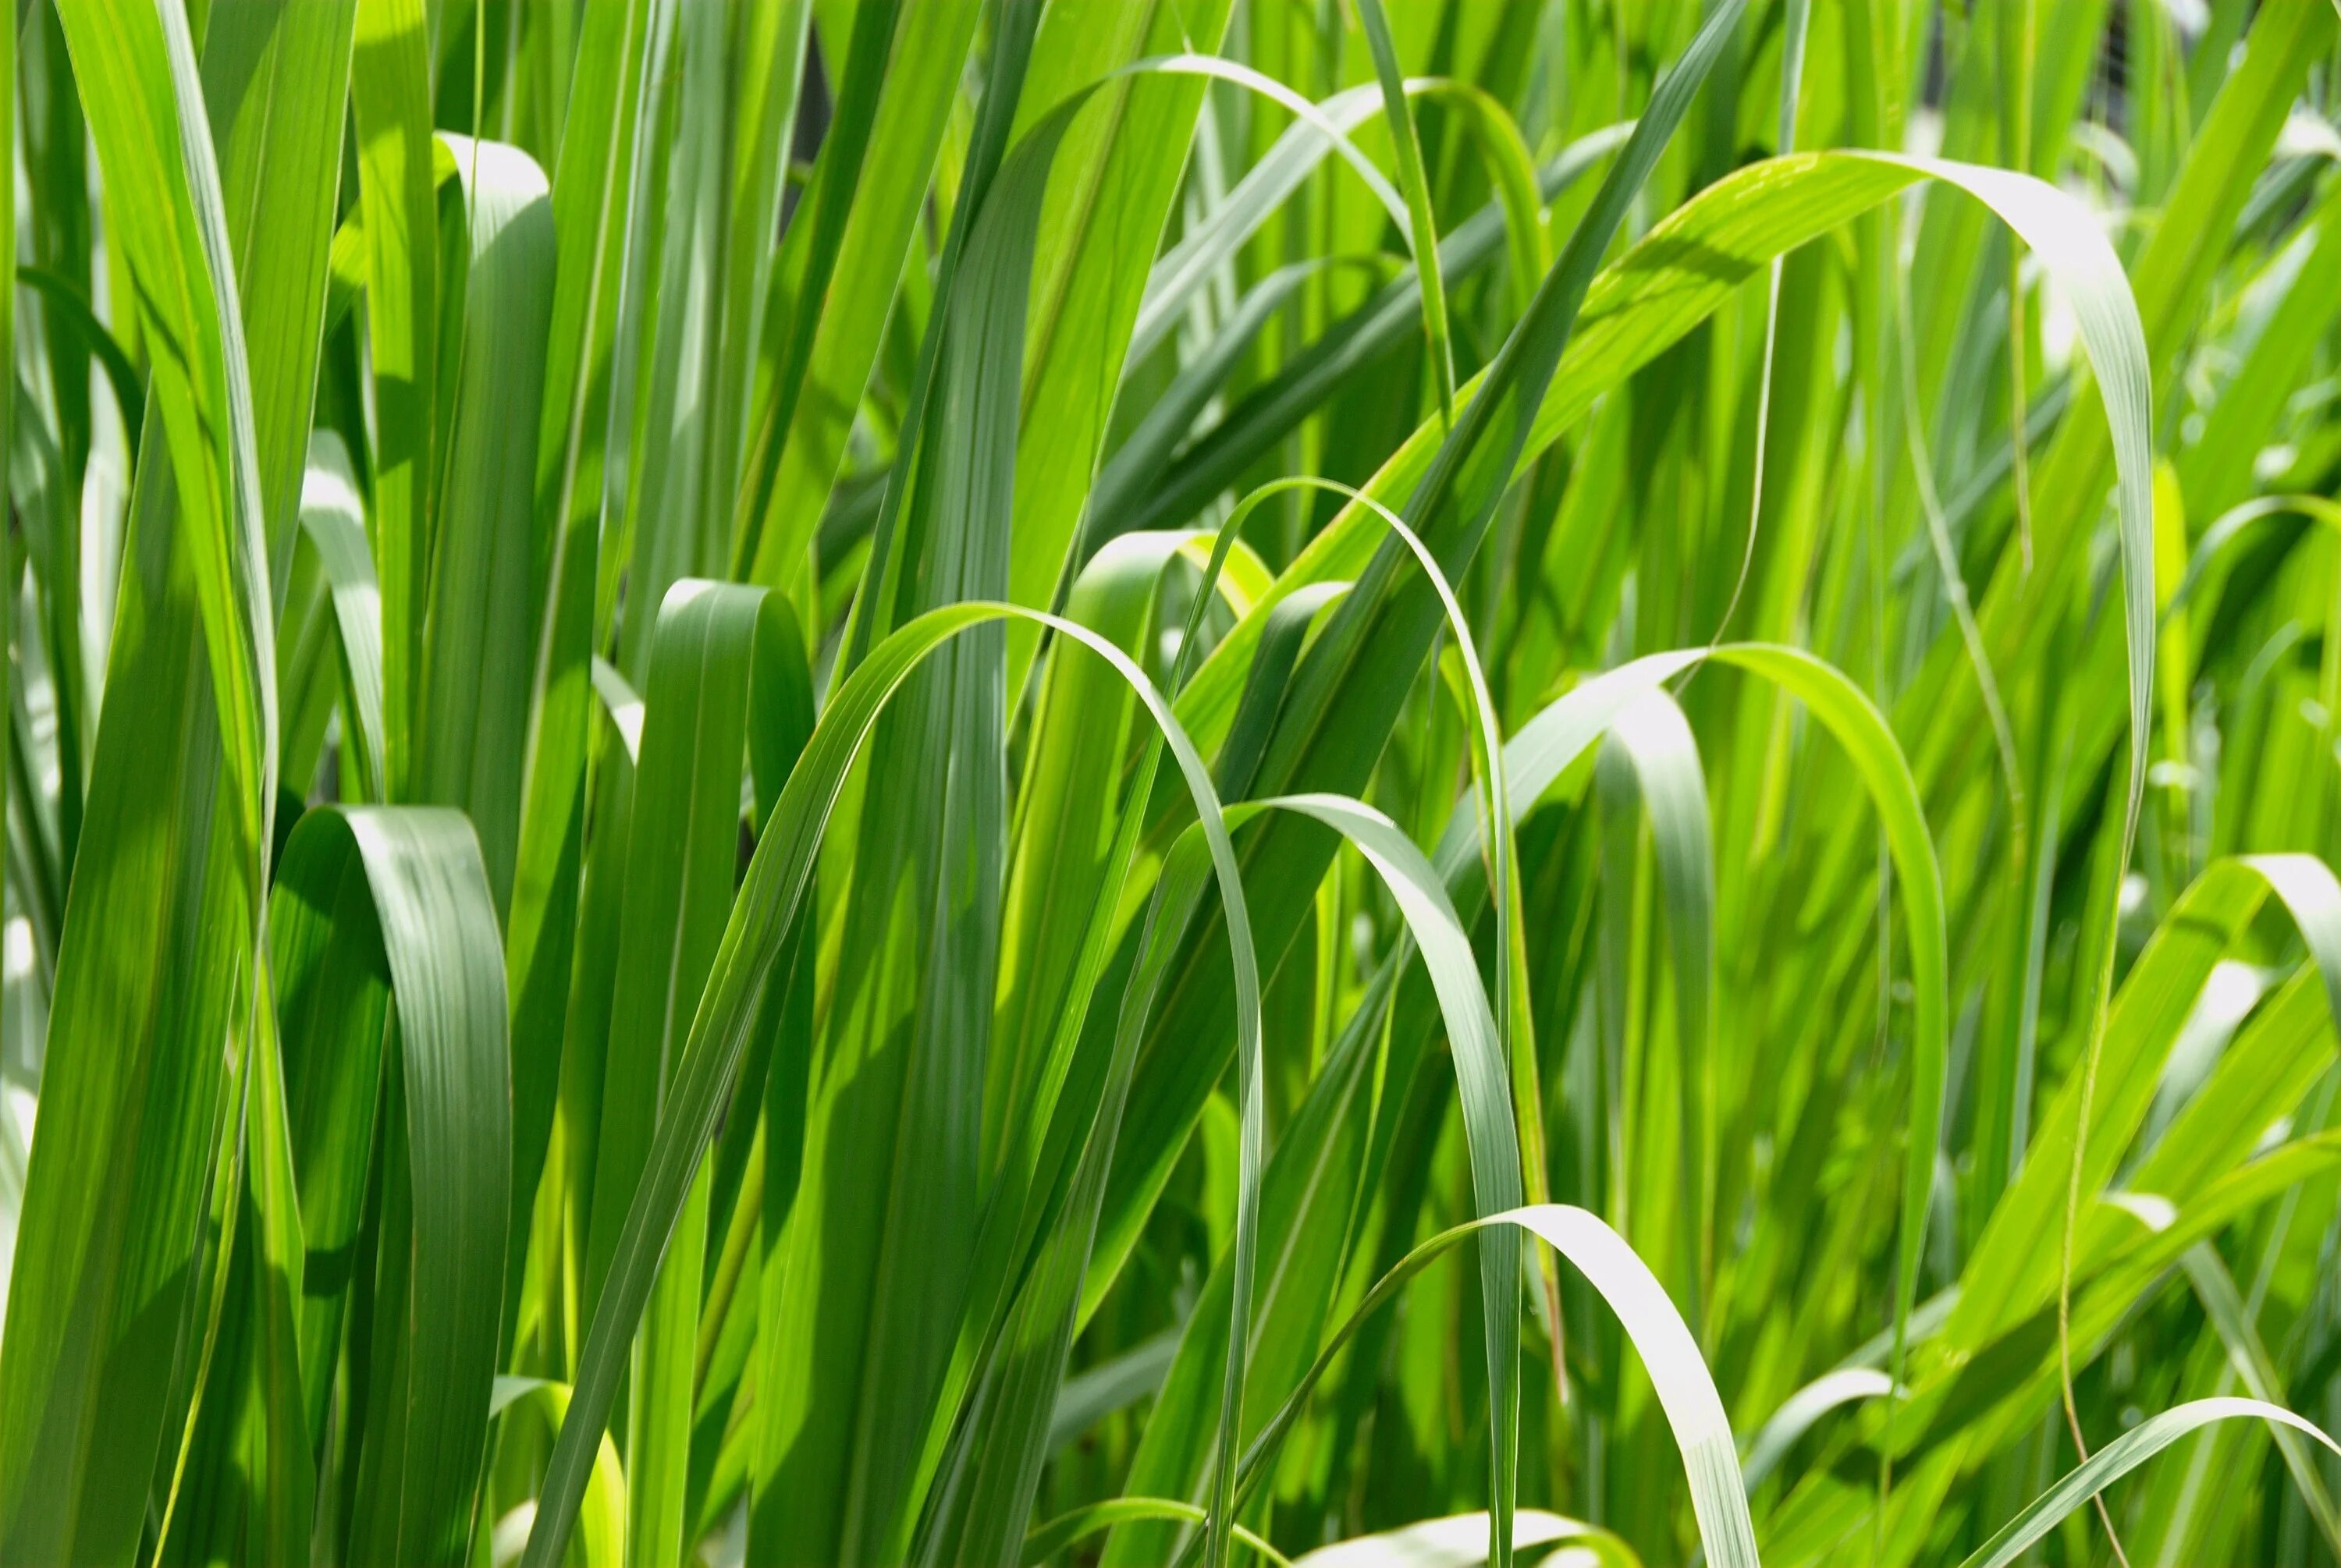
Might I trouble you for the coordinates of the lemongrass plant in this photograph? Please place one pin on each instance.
(797, 781)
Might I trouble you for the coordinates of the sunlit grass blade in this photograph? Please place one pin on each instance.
(759, 921)
(1651, 761)
(107, 1306)
(1686, 1390)
(333, 516)
(682, 854)
(1799, 1413)
(1341, 706)
(602, 1518)
(1047, 1540)
(2117, 1459)
(835, 277)
(433, 934)
(497, 1020)
(1460, 1542)
(2224, 1304)
(478, 610)
(599, 143)
(398, 200)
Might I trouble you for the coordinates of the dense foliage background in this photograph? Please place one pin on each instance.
(799, 781)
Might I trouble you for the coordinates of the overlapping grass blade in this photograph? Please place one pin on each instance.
(439, 1282)
(332, 515)
(1459, 1541)
(2117, 1459)
(681, 855)
(753, 939)
(398, 203)
(107, 1303)
(1702, 1431)
(602, 1521)
(1371, 652)
(832, 1114)
(1047, 1540)
(599, 140)
(1422, 232)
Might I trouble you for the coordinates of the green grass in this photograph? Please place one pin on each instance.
(1139, 781)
